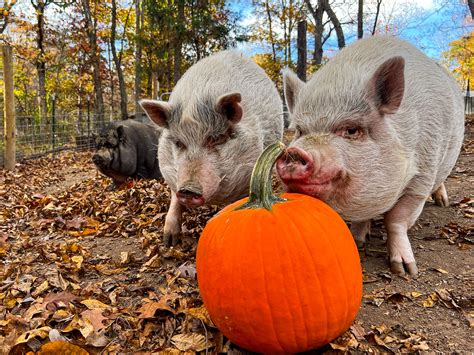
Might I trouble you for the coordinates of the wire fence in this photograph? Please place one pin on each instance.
(62, 132)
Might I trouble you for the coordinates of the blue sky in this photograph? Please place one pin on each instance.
(429, 24)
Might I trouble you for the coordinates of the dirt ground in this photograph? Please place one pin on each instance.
(82, 263)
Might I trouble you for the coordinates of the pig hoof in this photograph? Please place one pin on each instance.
(399, 268)
(412, 269)
(440, 196)
(170, 240)
(360, 245)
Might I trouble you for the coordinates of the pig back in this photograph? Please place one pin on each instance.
(226, 72)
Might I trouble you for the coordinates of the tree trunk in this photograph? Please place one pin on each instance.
(138, 54)
(40, 61)
(95, 58)
(290, 29)
(118, 64)
(178, 43)
(301, 44)
(318, 31)
(341, 42)
(360, 20)
(9, 108)
(270, 29)
(471, 7)
(155, 84)
(376, 17)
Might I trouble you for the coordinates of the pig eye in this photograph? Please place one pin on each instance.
(180, 145)
(351, 133)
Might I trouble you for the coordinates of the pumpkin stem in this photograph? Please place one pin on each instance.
(261, 194)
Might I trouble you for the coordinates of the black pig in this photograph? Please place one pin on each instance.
(127, 149)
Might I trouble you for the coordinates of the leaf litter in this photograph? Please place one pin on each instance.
(83, 269)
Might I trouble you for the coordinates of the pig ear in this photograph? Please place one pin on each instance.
(158, 111)
(388, 85)
(291, 86)
(228, 105)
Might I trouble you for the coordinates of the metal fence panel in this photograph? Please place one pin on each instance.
(63, 132)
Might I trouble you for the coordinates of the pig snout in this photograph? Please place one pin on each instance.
(310, 174)
(295, 164)
(99, 160)
(190, 197)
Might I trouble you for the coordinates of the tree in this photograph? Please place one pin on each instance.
(5, 12)
(461, 58)
(40, 61)
(341, 42)
(302, 50)
(360, 19)
(377, 12)
(471, 7)
(118, 63)
(91, 29)
(318, 30)
(138, 52)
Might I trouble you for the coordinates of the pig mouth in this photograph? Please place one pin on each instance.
(323, 189)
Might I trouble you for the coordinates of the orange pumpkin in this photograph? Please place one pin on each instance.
(278, 273)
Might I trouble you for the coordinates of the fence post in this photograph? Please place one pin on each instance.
(88, 116)
(53, 122)
(9, 113)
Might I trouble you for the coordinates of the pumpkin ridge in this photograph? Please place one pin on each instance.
(340, 268)
(290, 250)
(238, 269)
(288, 308)
(334, 257)
(223, 232)
(272, 316)
(316, 273)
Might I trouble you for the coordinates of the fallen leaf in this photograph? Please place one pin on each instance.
(148, 309)
(202, 314)
(94, 304)
(42, 332)
(431, 300)
(191, 341)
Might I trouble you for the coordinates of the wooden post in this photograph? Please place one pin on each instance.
(9, 115)
(301, 44)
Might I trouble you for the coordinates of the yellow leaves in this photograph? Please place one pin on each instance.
(42, 333)
(77, 323)
(154, 262)
(90, 227)
(94, 304)
(202, 314)
(431, 300)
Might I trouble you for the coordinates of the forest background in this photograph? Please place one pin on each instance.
(102, 56)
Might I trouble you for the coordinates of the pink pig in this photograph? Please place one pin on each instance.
(378, 130)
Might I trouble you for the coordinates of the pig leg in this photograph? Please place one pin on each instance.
(397, 222)
(359, 230)
(172, 227)
(440, 196)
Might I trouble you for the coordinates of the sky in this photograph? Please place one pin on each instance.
(429, 24)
